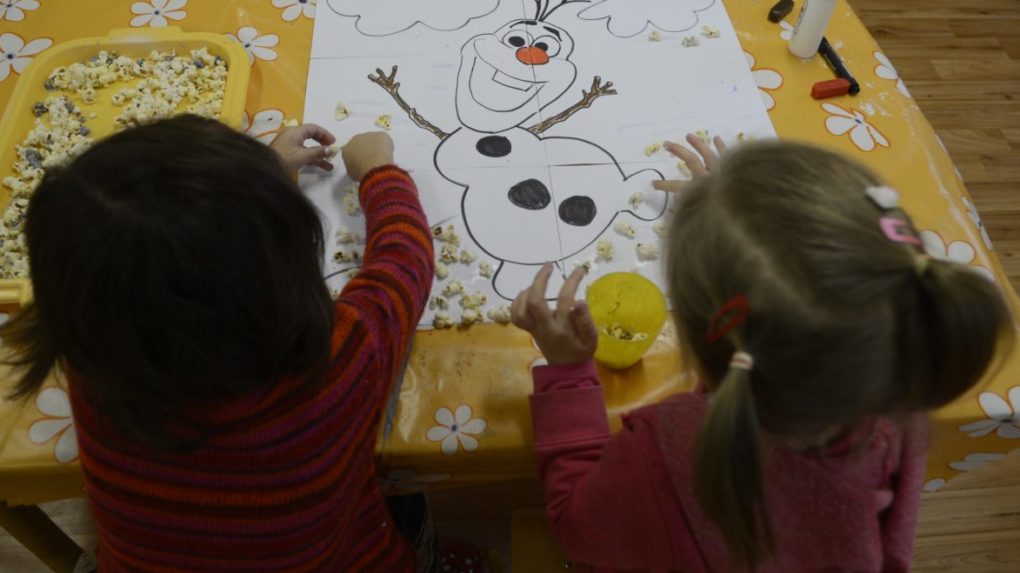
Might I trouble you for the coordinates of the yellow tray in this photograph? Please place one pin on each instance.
(18, 120)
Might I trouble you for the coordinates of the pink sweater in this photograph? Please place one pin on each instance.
(627, 502)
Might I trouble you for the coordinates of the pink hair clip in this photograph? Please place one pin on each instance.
(898, 231)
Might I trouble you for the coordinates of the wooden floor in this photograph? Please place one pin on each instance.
(961, 61)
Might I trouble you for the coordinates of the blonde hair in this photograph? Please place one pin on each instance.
(843, 323)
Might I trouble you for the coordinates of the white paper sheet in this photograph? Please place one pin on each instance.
(505, 146)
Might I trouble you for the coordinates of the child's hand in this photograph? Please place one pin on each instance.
(699, 166)
(366, 151)
(566, 335)
(290, 146)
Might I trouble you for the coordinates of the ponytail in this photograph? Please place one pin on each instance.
(728, 474)
(962, 322)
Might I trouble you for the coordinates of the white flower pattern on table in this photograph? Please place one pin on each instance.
(260, 47)
(864, 135)
(16, 54)
(157, 13)
(264, 126)
(971, 462)
(933, 485)
(1003, 416)
(294, 8)
(456, 430)
(767, 80)
(957, 251)
(786, 30)
(972, 212)
(887, 71)
(14, 10)
(55, 405)
(409, 481)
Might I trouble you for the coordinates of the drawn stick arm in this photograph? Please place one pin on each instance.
(392, 87)
(588, 97)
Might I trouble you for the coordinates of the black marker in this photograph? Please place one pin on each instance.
(780, 10)
(832, 58)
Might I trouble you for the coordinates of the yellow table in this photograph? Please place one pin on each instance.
(455, 377)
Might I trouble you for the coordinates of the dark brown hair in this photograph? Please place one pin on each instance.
(172, 263)
(843, 322)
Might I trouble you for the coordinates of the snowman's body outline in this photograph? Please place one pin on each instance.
(598, 89)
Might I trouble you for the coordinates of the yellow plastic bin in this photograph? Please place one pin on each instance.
(629, 311)
(18, 119)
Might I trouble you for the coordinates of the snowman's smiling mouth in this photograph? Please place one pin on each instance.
(512, 82)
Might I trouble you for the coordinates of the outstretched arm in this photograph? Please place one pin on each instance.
(587, 98)
(393, 88)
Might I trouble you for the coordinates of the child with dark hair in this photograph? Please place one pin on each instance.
(226, 407)
(820, 333)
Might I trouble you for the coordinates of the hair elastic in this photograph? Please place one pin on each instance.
(742, 361)
(898, 231)
(921, 264)
(730, 316)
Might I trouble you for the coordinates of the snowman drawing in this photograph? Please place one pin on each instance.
(572, 189)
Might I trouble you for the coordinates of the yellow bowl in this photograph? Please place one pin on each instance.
(633, 308)
(133, 42)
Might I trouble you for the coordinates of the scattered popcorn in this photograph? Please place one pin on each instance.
(623, 333)
(661, 229)
(467, 257)
(485, 269)
(347, 256)
(710, 31)
(681, 166)
(703, 134)
(442, 271)
(352, 189)
(341, 112)
(442, 320)
(647, 252)
(625, 229)
(473, 300)
(448, 254)
(384, 121)
(586, 264)
(690, 41)
(453, 288)
(653, 149)
(742, 137)
(345, 237)
(291, 123)
(500, 314)
(470, 316)
(637, 199)
(351, 203)
(655, 36)
(604, 250)
(438, 302)
(333, 150)
(448, 235)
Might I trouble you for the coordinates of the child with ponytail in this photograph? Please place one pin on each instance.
(820, 333)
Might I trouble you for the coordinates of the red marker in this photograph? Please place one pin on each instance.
(830, 88)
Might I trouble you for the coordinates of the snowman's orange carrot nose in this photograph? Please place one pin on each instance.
(533, 56)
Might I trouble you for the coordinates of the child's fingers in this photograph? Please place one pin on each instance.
(568, 293)
(669, 186)
(701, 146)
(325, 165)
(316, 132)
(519, 312)
(537, 307)
(720, 145)
(691, 159)
(584, 324)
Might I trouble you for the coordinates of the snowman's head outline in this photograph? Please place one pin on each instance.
(502, 74)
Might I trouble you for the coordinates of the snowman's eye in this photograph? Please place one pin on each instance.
(517, 39)
(548, 44)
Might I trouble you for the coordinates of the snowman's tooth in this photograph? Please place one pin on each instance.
(511, 82)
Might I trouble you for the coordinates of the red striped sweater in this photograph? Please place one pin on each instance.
(291, 485)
